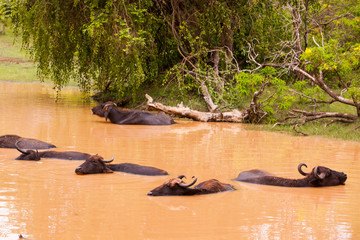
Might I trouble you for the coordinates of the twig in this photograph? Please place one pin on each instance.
(294, 128)
(338, 120)
(265, 113)
(283, 124)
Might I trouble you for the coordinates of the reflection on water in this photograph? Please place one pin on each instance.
(47, 200)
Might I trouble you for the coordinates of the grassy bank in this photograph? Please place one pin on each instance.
(316, 128)
(14, 65)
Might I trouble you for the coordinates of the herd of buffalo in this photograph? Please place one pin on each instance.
(29, 148)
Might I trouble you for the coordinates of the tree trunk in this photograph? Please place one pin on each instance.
(181, 111)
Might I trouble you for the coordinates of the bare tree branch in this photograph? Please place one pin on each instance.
(335, 18)
(324, 87)
(207, 97)
(339, 120)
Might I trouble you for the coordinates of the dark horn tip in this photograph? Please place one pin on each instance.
(188, 184)
(301, 171)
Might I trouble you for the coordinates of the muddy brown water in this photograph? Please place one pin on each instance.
(47, 200)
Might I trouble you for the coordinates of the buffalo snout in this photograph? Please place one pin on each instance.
(79, 171)
(342, 178)
(98, 111)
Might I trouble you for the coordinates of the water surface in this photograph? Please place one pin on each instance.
(47, 200)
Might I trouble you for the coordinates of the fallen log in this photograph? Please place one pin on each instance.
(233, 116)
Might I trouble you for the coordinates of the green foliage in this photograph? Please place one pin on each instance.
(119, 48)
(306, 89)
(338, 63)
(334, 49)
(246, 84)
(276, 96)
(104, 45)
(332, 57)
(5, 11)
(354, 93)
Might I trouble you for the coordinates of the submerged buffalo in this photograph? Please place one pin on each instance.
(96, 164)
(8, 141)
(35, 155)
(176, 187)
(318, 177)
(110, 111)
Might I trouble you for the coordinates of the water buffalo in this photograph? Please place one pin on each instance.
(110, 111)
(176, 187)
(318, 177)
(96, 164)
(8, 141)
(35, 155)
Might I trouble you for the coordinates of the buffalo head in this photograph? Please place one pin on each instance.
(27, 154)
(94, 164)
(175, 187)
(99, 110)
(322, 176)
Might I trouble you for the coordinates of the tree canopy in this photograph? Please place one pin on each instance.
(224, 51)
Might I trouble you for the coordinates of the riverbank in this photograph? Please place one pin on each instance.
(336, 131)
(15, 66)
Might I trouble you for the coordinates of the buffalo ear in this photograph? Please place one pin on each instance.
(108, 170)
(106, 114)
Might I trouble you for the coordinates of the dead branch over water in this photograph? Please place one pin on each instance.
(181, 111)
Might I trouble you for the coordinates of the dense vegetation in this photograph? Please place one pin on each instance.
(299, 53)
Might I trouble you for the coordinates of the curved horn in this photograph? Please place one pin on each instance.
(321, 175)
(189, 184)
(301, 171)
(105, 107)
(316, 170)
(19, 149)
(108, 105)
(108, 161)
